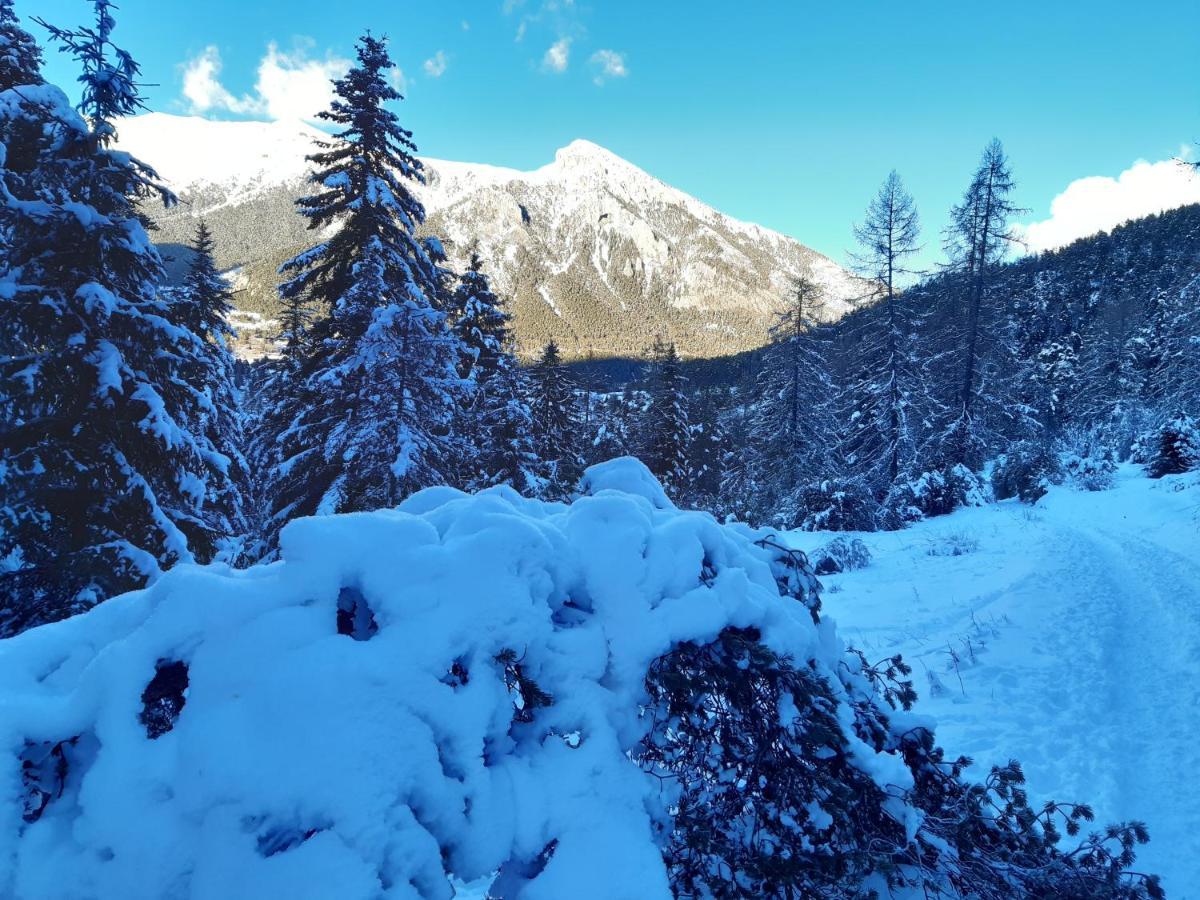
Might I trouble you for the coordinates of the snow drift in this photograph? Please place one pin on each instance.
(455, 689)
(305, 763)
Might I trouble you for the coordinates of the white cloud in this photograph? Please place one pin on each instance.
(1099, 203)
(435, 66)
(294, 87)
(558, 56)
(289, 85)
(608, 64)
(202, 87)
(560, 16)
(397, 79)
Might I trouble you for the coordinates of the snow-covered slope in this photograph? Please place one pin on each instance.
(236, 160)
(591, 250)
(1066, 636)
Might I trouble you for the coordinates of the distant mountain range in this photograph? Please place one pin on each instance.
(589, 250)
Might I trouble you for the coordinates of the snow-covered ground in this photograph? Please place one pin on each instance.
(1067, 636)
(358, 720)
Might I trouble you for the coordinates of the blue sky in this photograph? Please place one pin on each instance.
(784, 113)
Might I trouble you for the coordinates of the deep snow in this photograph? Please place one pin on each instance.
(365, 764)
(1083, 617)
(306, 763)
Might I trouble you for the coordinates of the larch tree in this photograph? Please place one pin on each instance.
(978, 239)
(791, 425)
(885, 376)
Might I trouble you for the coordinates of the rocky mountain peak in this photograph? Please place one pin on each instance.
(590, 250)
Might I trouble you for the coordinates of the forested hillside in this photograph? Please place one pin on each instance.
(1091, 350)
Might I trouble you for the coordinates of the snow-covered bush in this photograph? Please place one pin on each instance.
(840, 555)
(936, 493)
(611, 698)
(953, 543)
(1127, 432)
(838, 504)
(1026, 471)
(900, 507)
(1088, 458)
(1092, 473)
(1175, 448)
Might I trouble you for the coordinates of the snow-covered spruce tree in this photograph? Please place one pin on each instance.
(1026, 470)
(554, 403)
(1160, 370)
(977, 241)
(24, 123)
(709, 447)
(479, 319)
(365, 419)
(666, 433)
(791, 427)
(20, 55)
(1055, 372)
(612, 428)
(1176, 447)
(839, 503)
(493, 421)
(885, 372)
(106, 480)
(274, 400)
(202, 305)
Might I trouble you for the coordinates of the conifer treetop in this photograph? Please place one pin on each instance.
(20, 55)
(363, 178)
(208, 291)
(109, 77)
(887, 235)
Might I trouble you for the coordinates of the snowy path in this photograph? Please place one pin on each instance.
(1083, 620)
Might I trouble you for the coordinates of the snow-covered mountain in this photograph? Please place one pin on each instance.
(590, 249)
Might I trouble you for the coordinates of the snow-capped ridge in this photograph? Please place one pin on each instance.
(191, 151)
(583, 245)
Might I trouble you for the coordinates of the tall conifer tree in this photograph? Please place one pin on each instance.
(495, 425)
(377, 381)
(667, 431)
(105, 477)
(792, 422)
(556, 422)
(20, 55)
(202, 304)
(884, 372)
(978, 239)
